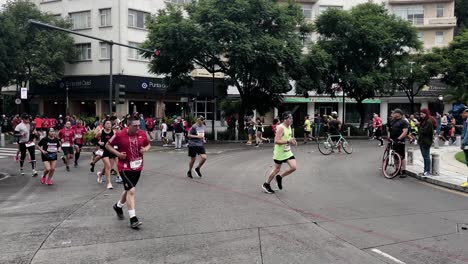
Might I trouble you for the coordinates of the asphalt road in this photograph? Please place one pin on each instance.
(333, 209)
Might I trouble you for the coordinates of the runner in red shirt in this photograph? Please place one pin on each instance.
(80, 132)
(132, 143)
(66, 136)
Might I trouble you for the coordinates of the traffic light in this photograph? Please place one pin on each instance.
(119, 93)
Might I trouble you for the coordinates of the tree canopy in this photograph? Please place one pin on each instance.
(28, 53)
(357, 49)
(452, 63)
(255, 43)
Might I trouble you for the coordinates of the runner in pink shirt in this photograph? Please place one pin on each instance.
(66, 135)
(80, 132)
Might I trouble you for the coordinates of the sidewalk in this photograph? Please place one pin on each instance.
(452, 172)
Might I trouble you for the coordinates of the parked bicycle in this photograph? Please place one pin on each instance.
(391, 161)
(328, 145)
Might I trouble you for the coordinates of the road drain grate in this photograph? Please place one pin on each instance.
(462, 228)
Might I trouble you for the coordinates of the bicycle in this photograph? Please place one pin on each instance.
(391, 161)
(327, 146)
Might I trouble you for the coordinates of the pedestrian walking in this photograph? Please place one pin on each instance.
(49, 146)
(164, 133)
(66, 136)
(398, 132)
(25, 133)
(132, 143)
(196, 146)
(282, 153)
(426, 137)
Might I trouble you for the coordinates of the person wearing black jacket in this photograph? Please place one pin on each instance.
(426, 134)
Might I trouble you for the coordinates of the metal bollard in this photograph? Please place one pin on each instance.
(293, 135)
(349, 131)
(409, 158)
(216, 134)
(237, 134)
(458, 141)
(435, 164)
(436, 142)
(2, 140)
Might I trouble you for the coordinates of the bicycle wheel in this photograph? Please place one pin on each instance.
(391, 166)
(325, 147)
(347, 147)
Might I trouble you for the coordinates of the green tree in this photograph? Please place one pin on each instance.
(255, 43)
(413, 73)
(359, 48)
(461, 12)
(452, 63)
(30, 54)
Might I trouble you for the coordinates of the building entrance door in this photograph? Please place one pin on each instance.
(325, 110)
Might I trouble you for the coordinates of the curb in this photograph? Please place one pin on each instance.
(435, 181)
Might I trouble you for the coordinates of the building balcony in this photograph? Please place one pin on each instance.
(396, 2)
(434, 22)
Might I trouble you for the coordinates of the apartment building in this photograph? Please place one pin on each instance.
(435, 22)
(86, 81)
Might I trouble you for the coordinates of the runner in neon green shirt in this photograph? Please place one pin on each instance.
(282, 153)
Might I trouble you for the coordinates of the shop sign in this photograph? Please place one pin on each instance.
(327, 100)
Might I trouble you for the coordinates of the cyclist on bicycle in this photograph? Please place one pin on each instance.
(335, 128)
(398, 133)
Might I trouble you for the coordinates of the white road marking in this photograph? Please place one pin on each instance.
(387, 256)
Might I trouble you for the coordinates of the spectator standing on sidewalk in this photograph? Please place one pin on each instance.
(179, 133)
(464, 144)
(426, 135)
(150, 125)
(398, 132)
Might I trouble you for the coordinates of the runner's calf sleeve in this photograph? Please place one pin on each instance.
(77, 156)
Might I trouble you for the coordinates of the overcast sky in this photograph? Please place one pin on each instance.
(1, 3)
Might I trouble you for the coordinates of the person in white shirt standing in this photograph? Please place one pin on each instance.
(164, 132)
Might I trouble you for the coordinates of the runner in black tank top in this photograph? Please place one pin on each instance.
(107, 157)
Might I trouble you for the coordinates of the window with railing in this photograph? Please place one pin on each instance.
(413, 14)
(105, 50)
(80, 20)
(307, 13)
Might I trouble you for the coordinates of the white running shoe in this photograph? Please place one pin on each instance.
(99, 179)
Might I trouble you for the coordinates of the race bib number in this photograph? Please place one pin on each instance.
(287, 148)
(136, 164)
(78, 136)
(66, 144)
(52, 149)
(201, 134)
(30, 144)
(116, 147)
(100, 152)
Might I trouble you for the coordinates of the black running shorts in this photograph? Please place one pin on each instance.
(284, 161)
(68, 150)
(130, 178)
(196, 150)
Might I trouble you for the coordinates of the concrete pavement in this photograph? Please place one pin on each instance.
(452, 172)
(334, 209)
